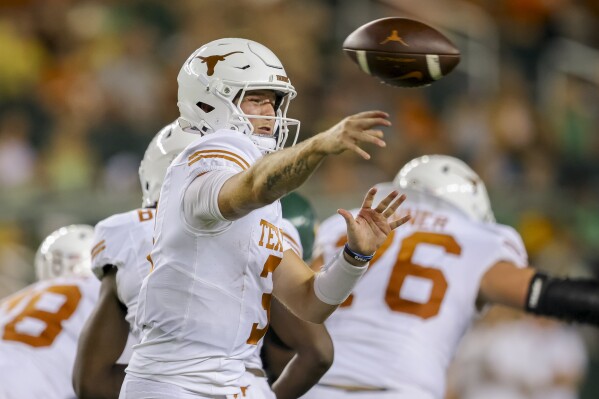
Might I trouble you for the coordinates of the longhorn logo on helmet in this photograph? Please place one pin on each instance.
(212, 60)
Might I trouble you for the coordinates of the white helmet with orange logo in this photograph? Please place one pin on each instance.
(164, 147)
(65, 252)
(451, 179)
(214, 80)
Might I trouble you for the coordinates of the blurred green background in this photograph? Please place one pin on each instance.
(84, 85)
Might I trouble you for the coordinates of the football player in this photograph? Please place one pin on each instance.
(122, 243)
(395, 336)
(40, 325)
(219, 255)
(119, 259)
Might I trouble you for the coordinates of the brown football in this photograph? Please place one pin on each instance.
(402, 52)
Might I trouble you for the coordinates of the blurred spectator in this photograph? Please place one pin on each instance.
(574, 120)
(68, 163)
(512, 356)
(21, 56)
(17, 156)
(132, 82)
(85, 84)
(16, 260)
(121, 173)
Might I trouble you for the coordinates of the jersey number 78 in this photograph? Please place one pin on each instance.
(33, 310)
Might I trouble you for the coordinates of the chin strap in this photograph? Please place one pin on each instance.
(265, 144)
(566, 299)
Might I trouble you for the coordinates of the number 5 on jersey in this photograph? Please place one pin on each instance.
(257, 333)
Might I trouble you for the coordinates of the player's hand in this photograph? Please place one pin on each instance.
(370, 228)
(353, 132)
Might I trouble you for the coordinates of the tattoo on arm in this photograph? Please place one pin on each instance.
(296, 169)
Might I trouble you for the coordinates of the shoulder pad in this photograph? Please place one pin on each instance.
(511, 245)
(223, 149)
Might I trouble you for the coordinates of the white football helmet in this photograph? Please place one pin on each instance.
(451, 179)
(65, 252)
(214, 80)
(164, 147)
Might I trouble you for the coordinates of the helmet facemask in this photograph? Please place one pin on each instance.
(278, 138)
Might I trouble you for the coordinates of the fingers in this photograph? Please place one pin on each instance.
(349, 218)
(393, 207)
(366, 136)
(373, 136)
(376, 133)
(358, 129)
(368, 120)
(359, 151)
(368, 123)
(382, 206)
(367, 203)
(398, 222)
(369, 114)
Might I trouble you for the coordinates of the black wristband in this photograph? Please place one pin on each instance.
(357, 256)
(567, 299)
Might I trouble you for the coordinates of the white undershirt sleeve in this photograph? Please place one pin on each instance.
(335, 282)
(200, 202)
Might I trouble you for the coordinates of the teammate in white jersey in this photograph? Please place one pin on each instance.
(395, 336)
(40, 324)
(122, 243)
(219, 255)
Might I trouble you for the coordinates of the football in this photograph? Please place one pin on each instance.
(402, 52)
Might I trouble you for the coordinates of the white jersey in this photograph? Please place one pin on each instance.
(292, 237)
(39, 329)
(400, 327)
(257, 387)
(125, 241)
(203, 307)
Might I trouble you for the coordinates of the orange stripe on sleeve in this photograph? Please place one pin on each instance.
(98, 245)
(97, 251)
(293, 243)
(230, 156)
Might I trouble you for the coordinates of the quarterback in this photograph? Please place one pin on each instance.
(119, 259)
(219, 254)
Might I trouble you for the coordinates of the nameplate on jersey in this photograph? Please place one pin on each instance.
(271, 236)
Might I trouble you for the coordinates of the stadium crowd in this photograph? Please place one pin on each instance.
(84, 85)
